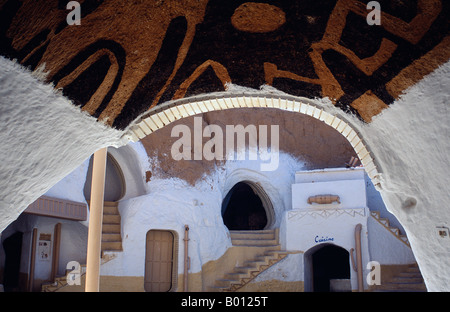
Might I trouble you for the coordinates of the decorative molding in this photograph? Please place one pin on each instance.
(326, 213)
(393, 230)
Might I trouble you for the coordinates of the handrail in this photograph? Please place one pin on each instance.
(353, 260)
(186, 257)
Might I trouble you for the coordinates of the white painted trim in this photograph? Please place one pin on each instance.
(164, 114)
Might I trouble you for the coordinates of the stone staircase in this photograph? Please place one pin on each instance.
(111, 237)
(264, 238)
(409, 280)
(393, 230)
(268, 254)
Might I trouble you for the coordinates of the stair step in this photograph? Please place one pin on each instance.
(236, 276)
(225, 283)
(254, 238)
(409, 274)
(276, 253)
(253, 235)
(111, 219)
(110, 210)
(261, 234)
(245, 269)
(257, 263)
(110, 203)
(218, 289)
(111, 228)
(413, 268)
(112, 246)
(255, 242)
(111, 237)
(405, 286)
(407, 280)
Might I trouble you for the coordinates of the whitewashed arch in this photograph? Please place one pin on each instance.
(162, 115)
(270, 198)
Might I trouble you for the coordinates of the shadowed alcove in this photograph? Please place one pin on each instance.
(245, 207)
(114, 180)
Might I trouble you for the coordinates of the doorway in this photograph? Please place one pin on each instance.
(243, 209)
(159, 261)
(13, 251)
(327, 268)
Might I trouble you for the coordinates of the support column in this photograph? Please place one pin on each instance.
(56, 248)
(32, 261)
(359, 266)
(95, 221)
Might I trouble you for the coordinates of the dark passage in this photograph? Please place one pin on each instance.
(242, 209)
(329, 262)
(13, 250)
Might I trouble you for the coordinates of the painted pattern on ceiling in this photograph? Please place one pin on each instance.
(127, 57)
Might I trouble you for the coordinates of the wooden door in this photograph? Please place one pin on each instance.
(158, 261)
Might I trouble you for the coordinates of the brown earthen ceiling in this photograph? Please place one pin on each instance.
(304, 137)
(127, 57)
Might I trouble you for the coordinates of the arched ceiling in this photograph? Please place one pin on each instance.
(127, 58)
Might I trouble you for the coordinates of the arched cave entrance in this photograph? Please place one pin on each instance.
(327, 268)
(244, 209)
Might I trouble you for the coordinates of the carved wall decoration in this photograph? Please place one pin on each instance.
(324, 199)
(127, 58)
(326, 213)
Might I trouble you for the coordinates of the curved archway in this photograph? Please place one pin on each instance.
(162, 115)
(114, 180)
(247, 207)
(323, 265)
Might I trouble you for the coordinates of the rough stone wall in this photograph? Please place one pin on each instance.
(124, 59)
(303, 137)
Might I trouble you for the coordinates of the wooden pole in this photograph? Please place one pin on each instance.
(95, 221)
(56, 247)
(186, 257)
(32, 260)
(359, 266)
